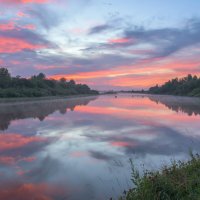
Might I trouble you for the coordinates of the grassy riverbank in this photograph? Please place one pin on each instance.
(180, 181)
(36, 99)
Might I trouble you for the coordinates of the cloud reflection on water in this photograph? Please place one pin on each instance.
(84, 152)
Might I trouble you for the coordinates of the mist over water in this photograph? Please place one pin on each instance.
(80, 148)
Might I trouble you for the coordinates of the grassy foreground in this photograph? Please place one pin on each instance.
(180, 181)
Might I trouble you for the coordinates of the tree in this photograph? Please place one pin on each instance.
(72, 82)
(4, 73)
(41, 76)
(5, 78)
(189, 86)
(38, 86)
(63, 80)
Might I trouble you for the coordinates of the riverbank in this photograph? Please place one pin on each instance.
(175, 95)
(159, 94)
(152, 93)
(36, 99)
(180, 181)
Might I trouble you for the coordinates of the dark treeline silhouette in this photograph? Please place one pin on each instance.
(38, 86)
(38, 109)
(133, 91)
(190, 106)
(187, 86)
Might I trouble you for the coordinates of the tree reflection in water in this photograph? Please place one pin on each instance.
(37, 109)
(188, 105)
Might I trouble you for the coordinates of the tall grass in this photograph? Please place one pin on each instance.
(180, 181)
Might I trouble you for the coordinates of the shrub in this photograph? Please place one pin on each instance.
(180, 181)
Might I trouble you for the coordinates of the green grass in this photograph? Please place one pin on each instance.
(180, 181)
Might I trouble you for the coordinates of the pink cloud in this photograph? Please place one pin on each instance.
(48, 67)
(22, 1)
(78, 154)
(7, 26)
(29, 26)
(119, 40)
(21, 14)
(11, 45)
(122, 144)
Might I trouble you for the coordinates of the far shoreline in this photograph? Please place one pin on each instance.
(49, 98)
(148, 93)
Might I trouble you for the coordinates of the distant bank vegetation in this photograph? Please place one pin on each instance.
(187, 86)
(39, 86)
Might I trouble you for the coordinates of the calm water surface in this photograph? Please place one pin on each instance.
(79, 149)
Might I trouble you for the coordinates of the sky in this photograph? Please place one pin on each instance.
(107, 44)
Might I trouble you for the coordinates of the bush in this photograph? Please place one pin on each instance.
(195, 92)
(180, 181)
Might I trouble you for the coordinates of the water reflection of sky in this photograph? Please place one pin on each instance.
(79, 148)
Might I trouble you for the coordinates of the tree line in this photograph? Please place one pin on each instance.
(187, 86)
(39, 86)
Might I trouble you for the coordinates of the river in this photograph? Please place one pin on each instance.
(79, 148)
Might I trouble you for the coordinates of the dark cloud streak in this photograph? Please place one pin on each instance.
(99, 29)
(167, 40)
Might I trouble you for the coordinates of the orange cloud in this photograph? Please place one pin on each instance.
(143, 74)
(116, 72)
(144, 81)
